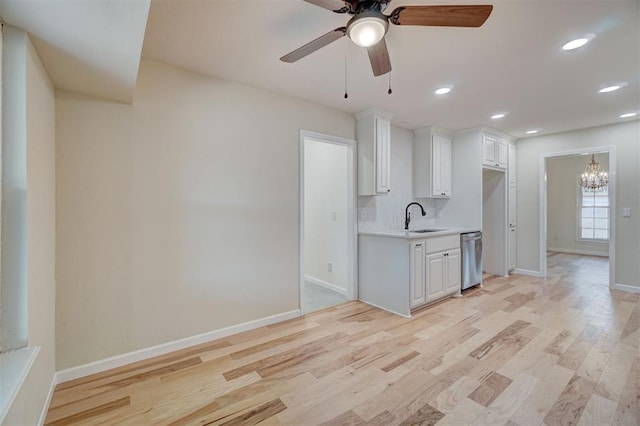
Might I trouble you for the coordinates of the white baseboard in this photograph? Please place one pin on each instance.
(47, 401)
(626, 287)
(584, 252)
(327, 285)
(165, 348)
(526, 272)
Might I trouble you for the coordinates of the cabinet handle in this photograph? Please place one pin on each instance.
(388, 190)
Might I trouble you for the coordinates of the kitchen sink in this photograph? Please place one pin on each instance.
(422, 231)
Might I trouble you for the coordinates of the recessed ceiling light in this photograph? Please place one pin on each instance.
(443, 90)
(579, 42)
(531, 132)
(629, 114)
(610, 88)
(496, 116)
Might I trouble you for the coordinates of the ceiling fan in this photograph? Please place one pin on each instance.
(369, 25)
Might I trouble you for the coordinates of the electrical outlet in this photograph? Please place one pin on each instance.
(334, 215)
(330, 267)
(362, 214)
(429, 212)
(626, 212)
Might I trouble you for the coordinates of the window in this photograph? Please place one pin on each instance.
(593, 214)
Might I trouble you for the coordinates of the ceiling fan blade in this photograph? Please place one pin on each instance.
(314, 45)
(379, 58)
(337, 6)
(441, 16)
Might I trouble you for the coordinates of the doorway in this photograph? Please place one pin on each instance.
(577, 227)
(328, 235)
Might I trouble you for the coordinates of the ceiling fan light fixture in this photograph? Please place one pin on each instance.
(367, 29)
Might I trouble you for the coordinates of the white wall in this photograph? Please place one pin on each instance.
(39, 131)
(626, 139)
(464, 208)
(325, 193)
(177, 215)
(562, 204)
(387, 211)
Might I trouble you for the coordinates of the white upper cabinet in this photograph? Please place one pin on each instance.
(511, 206)
(431, 164)
(374, 152)
(511, 170)
(494, 152)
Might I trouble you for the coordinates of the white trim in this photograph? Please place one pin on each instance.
(326, 285)
(527, 272)
(47, 401)
(542, 212)
(15, 366)
(575, 251)
(626, 287)
(165, 348)
(352, 212)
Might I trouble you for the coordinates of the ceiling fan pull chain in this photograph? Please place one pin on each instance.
(389, 91)
(346, 95)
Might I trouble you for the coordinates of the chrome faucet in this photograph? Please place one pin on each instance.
(407, 214)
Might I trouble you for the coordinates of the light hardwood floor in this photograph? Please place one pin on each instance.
(520, 351)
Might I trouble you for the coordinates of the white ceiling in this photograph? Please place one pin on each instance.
(91, 47)
(514, 63)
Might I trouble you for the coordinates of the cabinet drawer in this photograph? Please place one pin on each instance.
(447, 242)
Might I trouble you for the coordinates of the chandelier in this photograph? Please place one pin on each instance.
(594, 177)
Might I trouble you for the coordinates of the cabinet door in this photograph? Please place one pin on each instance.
(435, 276)
(502, 154)
(512, 206)
(511, 167)
(452, 272)
(441, 166)
(512, 248)
(383, 155)
(489, 150)
(418, 295)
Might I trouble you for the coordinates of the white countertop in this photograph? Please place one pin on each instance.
(410, 235)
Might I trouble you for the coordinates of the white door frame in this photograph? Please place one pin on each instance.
(611, 150)
(352, 222)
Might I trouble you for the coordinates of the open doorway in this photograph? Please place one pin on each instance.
(327, 221)
(577, 235)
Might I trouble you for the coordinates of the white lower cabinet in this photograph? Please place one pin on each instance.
(452, 268)
(418, 295)
(434, 275)
(512, 248)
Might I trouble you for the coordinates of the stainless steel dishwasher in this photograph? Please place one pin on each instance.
(471, 248)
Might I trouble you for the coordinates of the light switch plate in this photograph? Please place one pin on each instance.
(626, 212)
